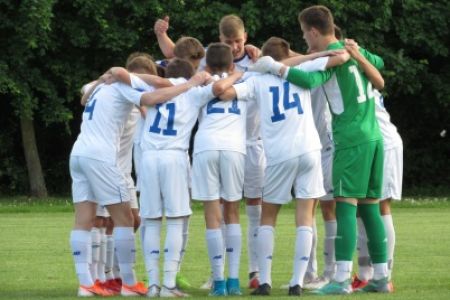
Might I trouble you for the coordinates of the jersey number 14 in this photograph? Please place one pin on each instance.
(287, 104)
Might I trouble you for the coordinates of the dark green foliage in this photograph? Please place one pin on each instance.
(50, 48)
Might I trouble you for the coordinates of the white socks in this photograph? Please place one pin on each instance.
(233, 244)
(343, 270)
(265, 244)
(172, 250)
(102, 259)
(80, 243)
(96, 240)
(390, 235)
(185, 239)
(303, 244)
(312, 264)
(214, 241)
(254, 217)
(151, 244)
(124, 242)
(329, 252)
(109, 261)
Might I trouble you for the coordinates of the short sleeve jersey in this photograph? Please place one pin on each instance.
(168, 126)
(104, 118)
(287, 124)
(391, 137)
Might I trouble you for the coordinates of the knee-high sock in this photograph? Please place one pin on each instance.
(215, 243)
(172, 250)
(96, 240)
(152, 241)
(390, 235)
(254, 216)
(376, 238)
(80, 243)
(345, 241)
(303, 244)
(185, 240)
(365, 270)
(233, 244)
(102, 258)
(109, 261)
(312, 263)
(328, 246)
(124, 242)
(265, 243)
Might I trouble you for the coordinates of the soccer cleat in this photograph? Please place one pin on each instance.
(262, 290)
(375, 286)
(316, 283)
(233, 287)
(253, 281)
(358, 283)
(172, 293)
(218, 288)
(207, 285)
(138, 289)
(153, 291)
(391, 287)
(295, 290)
(182, 282)
(113, 286)
(94, 290)
(335, 288)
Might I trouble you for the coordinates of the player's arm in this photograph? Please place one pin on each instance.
(122, 75)
(164, 41)
(337, 57)
(88, 89)
(220, 86)
(253, 52)
(307, 80)
(370, 70)
(165, 94)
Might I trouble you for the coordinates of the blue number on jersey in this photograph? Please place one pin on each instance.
(234, 109)
(170, 122)
(89, 108)
(275, 90)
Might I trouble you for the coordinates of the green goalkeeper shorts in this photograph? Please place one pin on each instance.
(358, 171)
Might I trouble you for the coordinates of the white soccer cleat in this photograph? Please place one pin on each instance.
(316, 283)
(172, 293)
(207, 285)
(153, 291)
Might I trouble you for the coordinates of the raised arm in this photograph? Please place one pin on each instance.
(164, 41)
(165, 94)
(369, 69)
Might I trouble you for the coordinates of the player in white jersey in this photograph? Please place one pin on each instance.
(232, 32)
(292, 149)
(392, 190)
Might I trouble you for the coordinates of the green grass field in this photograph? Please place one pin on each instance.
(35, 259)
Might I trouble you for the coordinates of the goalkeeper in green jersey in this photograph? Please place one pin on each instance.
(358, 158)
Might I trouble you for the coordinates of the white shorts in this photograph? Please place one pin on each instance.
(97, 181)
(303, 172)
(137, 154)
(132, 191)
(218, 175)
(327, 171)
(255, 163)
(164, 184)
(102, 211)
(393, 174)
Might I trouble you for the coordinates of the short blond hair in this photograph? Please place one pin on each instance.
(189, 48)
(231, 26)
(141, 61)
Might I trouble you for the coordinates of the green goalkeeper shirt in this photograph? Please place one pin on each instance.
(350, 96)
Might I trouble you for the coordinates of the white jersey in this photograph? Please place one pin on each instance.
(104, 118)
(168, 126)
(287, 124)
(322, 116)
(221, 126)
(126, 141)
(391, 138)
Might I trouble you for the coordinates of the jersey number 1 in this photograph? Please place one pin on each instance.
(169, 130)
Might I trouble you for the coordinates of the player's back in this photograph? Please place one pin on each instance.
(391, 137)
(104, 118)
(222, 126)
(287, 124)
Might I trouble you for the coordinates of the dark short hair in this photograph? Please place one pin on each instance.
(319, 17)
(276, 47)
(219, 57)
(179, 67)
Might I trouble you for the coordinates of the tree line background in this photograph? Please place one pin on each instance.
(50, 48)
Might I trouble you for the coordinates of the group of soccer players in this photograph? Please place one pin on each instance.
(269, 129)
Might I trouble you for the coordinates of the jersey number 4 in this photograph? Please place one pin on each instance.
(170, 120)
(287, 104)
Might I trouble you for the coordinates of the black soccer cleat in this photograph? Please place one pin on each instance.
(262, 290)
(295, 290)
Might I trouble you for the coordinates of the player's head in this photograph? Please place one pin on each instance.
(219, 58)
(189, 48)
(338, 32)
(140, 62)
(316, 22)
(179, 67)
(277, 48)
(232, 33)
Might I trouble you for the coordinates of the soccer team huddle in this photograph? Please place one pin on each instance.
(274, 126)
